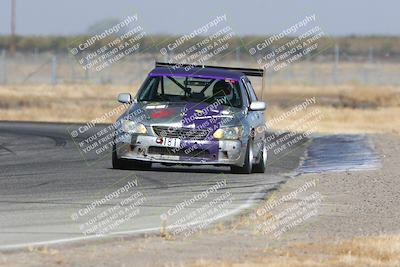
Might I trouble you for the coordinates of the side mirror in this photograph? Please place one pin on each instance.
(257, 106)
(125, 98)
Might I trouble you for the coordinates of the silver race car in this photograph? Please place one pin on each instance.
(185, 114)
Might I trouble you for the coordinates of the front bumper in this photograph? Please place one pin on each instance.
(189, 152)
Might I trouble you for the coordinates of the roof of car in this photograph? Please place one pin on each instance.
(197, 72)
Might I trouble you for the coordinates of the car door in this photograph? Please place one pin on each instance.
(256, 118)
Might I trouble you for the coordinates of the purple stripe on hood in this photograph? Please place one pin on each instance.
(202, 117)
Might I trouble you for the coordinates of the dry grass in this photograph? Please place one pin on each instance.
(345, 108)
(61, 103)
(348, 95)
(346, 120)
(364, 251)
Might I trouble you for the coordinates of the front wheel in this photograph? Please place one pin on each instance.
(116, 162)
(262, 160)
(248, 161)
(125, 164)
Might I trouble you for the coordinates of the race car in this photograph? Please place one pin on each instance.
(193, 115)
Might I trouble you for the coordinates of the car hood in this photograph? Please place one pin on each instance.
(186, 114)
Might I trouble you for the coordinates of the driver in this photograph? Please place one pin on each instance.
(223, 89)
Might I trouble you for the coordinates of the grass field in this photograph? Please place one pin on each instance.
(346, 108)
(381, 251)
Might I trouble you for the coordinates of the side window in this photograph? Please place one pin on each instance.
(150, 88)
(246, 96)
(253, 95)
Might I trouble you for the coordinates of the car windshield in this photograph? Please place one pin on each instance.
(183, 89)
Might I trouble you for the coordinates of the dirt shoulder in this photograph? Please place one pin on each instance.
(356, 203)
(354, 206)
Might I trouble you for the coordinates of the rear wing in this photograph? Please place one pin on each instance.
(245, 71)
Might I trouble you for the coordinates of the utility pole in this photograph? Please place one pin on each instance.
(13, 46)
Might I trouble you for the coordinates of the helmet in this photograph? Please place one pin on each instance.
(222, 88)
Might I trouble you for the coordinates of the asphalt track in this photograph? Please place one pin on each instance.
(44, 181)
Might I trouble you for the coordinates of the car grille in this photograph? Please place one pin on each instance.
(181, 133)
(194, 153)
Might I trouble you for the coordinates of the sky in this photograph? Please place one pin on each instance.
(258, 17)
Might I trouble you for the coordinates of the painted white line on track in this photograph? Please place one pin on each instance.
(250, 201)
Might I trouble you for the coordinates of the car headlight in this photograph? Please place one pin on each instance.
(231, 133)
(133, 127)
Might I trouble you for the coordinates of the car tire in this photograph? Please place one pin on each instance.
(125, 164)
(261, 166)
(116, 162)
(248, 162)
